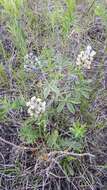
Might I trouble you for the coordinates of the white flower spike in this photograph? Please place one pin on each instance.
(85, 58)
(36, 106)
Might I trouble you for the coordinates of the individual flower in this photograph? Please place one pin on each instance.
(85, 58)
(36, 106)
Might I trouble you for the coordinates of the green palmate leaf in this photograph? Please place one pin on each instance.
(68, 143)
(46, 92)
(71, 107)
(52, 139)
(74, 101)
(17, 104)
(60, 107)
(28, 134)
(85, 94)
(54, 88)
(7, 105)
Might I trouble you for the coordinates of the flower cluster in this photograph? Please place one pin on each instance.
(30, 62)
(36, 106)
(85, 58)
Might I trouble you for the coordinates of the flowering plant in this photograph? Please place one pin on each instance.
(64, 88)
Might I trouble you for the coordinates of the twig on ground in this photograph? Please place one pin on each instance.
(18, 146)
(65, 153)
